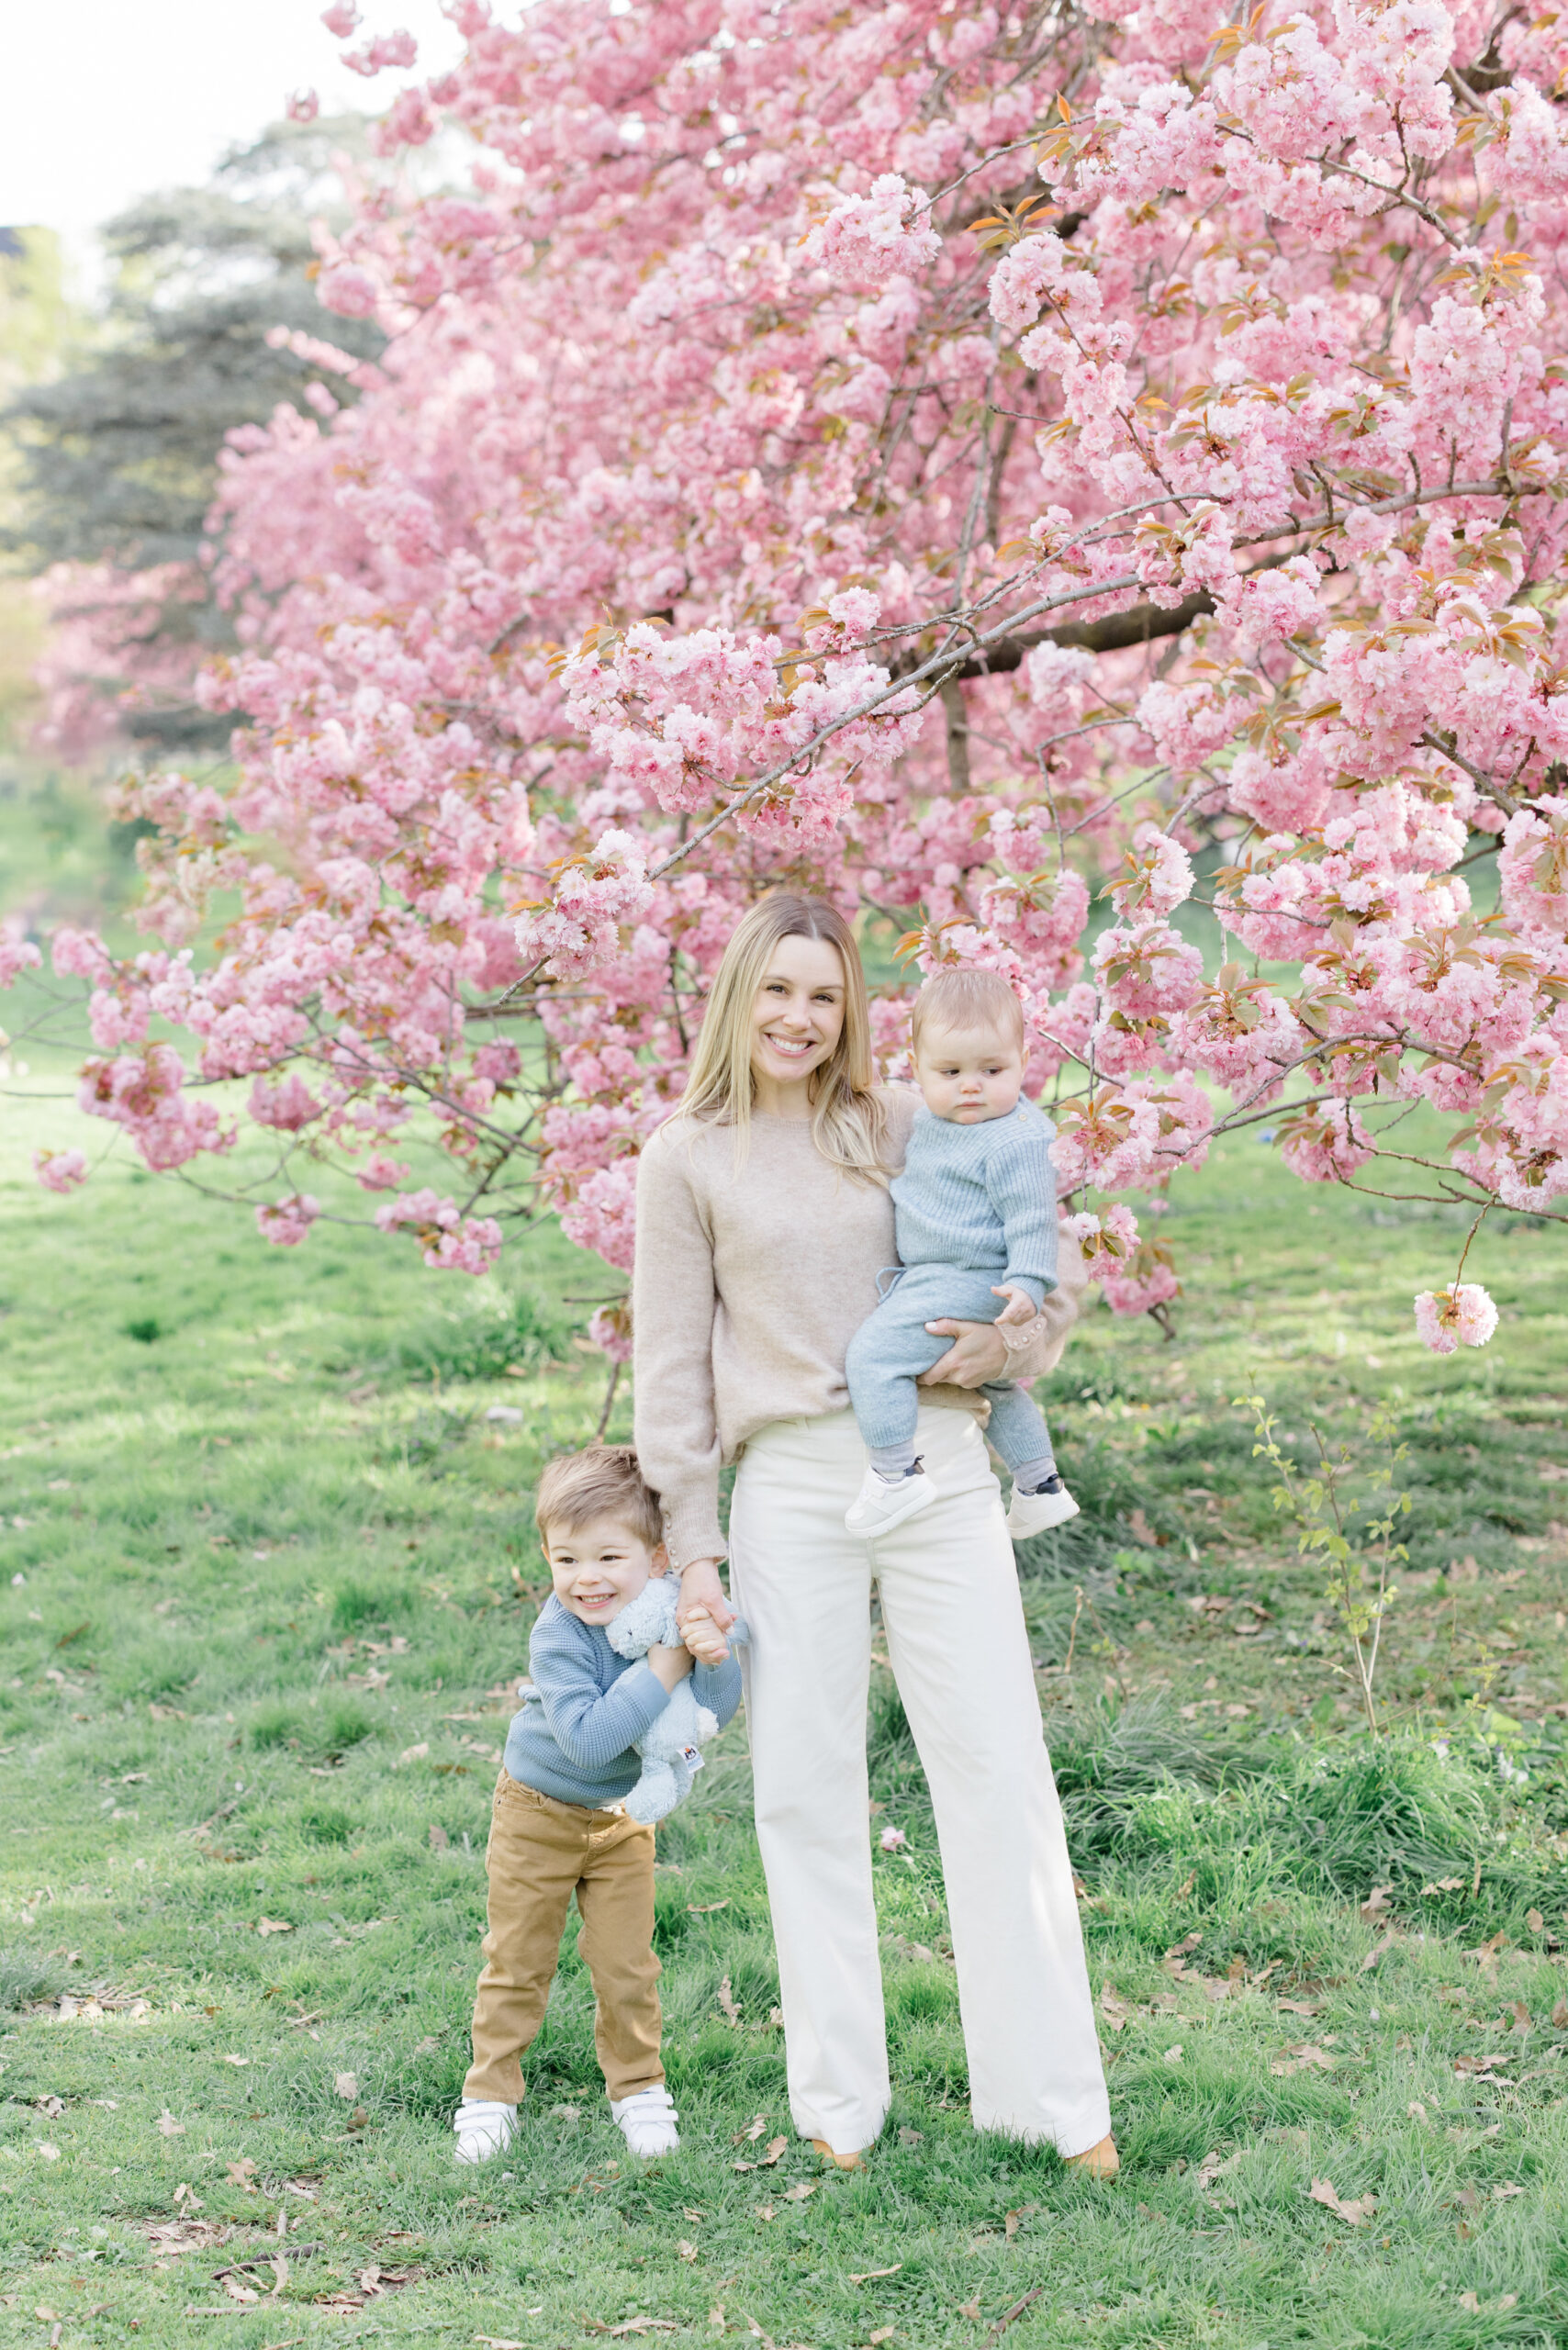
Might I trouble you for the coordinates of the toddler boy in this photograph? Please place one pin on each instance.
(556, 1826)
(974, 1210)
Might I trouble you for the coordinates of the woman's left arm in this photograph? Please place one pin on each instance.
(979, 1352)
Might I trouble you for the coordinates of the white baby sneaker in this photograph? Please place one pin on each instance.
(484, 2129)
(1035, 1513)
(879, 1506)
(646, 2120)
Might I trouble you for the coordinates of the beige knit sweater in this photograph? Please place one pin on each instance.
(750, 1281)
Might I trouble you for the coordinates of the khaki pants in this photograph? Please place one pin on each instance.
(960, 1655)
(540, 1853)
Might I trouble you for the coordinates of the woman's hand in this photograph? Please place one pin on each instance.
(701, 1594)
(669, 1666)
(979, 1353)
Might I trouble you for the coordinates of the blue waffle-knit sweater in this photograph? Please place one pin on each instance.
(573, 1738)
(983, 1197)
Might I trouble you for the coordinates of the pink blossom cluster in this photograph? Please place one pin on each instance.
(1460, 1315)
(697, 534)
(451, 1242)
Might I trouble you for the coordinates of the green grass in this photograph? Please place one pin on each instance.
(266, 1572)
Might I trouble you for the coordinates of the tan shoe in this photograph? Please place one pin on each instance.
(1101, 2162)
(840, 2161)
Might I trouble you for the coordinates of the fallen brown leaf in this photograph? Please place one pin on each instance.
(1352, 2213)
(167, 2127)
(1301, 2056)
(1559, 2015)
(706, 1909)
(273, 1926)
(798, 2194)
(774, 2149)
(346, 2086)
(1113, 2010)
(753, 2130)
(687, 2251)
(1376, 1902)
(731, 2014)
(865, 2276)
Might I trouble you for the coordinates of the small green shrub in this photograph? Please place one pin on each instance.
(1388, 1811)
(356, 1604)
(275, 1726)
(488, 1335)
(340, 1727)
(324, 1824)
(145, 1330)
(24, 1979)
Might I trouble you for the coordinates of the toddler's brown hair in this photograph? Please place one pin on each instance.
(604, 1481)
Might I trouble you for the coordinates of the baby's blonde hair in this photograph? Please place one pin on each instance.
(963, 1001)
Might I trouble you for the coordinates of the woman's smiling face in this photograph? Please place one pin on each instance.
(798, 1017)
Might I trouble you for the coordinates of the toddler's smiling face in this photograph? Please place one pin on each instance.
(597, 1567)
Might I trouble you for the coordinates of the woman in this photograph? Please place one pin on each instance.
(762, 1220)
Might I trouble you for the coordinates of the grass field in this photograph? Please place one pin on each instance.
(268, 1571)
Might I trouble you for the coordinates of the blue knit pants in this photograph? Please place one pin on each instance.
(893, 1347)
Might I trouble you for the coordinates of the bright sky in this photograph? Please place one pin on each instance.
(104, 100)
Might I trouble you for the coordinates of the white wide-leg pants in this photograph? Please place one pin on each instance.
(959, 1653)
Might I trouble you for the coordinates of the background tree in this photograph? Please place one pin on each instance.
(207, 326)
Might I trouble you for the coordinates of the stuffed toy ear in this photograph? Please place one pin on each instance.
(648, 1617)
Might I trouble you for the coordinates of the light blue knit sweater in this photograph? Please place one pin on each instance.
(980, 1197)
(573, 1738)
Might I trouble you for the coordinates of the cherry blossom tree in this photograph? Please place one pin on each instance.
(964, 460)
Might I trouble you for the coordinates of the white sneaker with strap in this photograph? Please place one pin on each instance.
(883, 1503)
(1034, 1513)
(484, 2128)
(646, 2120)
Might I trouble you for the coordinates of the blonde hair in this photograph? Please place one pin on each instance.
(963, 1001)
(603, 1482)
(847, 1114)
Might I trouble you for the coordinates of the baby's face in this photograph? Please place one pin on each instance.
(971, 1076)
(597, 1567)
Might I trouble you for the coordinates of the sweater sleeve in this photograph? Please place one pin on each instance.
(673, 1306)
(591, 1725)
(1045, 1338)
(1022, 1185)
(718, 1686)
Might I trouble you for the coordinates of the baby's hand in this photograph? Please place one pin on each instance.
(1020, 1307)
(703, 1638)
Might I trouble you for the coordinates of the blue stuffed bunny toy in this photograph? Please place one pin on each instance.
(671, 1749)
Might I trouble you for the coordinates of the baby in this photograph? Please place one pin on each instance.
(975, 1219)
